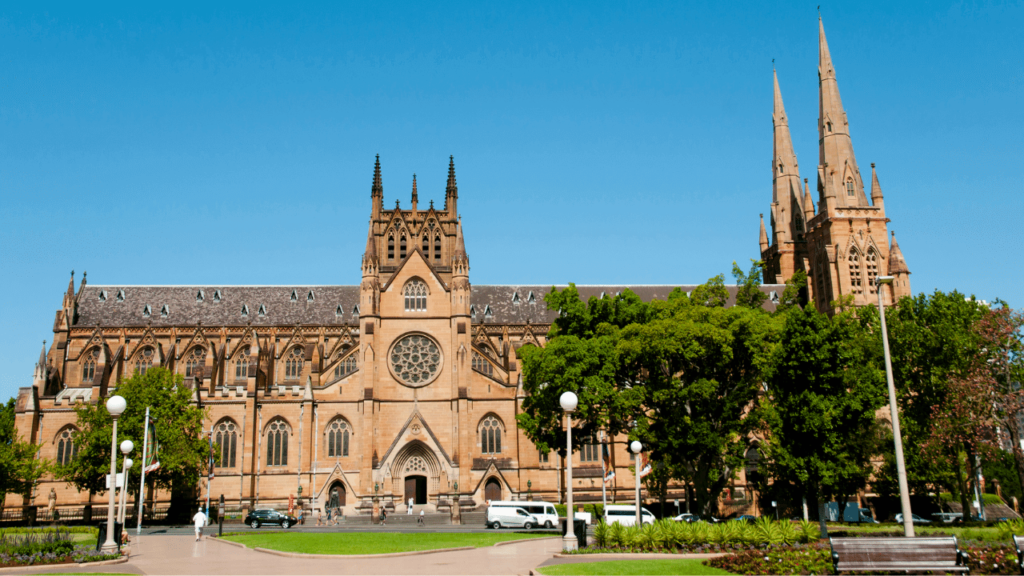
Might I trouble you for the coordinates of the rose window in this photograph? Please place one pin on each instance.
(415, 360)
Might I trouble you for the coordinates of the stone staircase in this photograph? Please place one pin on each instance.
(429, 519)
(474, 518)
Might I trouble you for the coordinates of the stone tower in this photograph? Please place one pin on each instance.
(845, 246)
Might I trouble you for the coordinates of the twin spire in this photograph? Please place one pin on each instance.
(377, 189)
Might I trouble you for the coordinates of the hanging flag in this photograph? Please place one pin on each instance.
(153, 458)
(606, 463)
(646, 466)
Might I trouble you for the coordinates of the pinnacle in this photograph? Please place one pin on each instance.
(452, 186)
(378, 187)
(764, 235)
(876, 188)
(897, 265)
(824, 58)
(415, 196)
(779, 112)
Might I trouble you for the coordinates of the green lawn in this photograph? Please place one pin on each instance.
(987, 533)
(371, 542)
(631, 567)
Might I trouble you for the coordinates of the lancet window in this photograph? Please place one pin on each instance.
(195, 361)
(415, 296)
(144, 360)
(242, 364)
(401, 247)
(277, 443)
(346, 366)
(481, 365)
(337, 436)
(437, 247)
(391, 247)
(67, 450)
(89, 365)
(226, 438)
(490, 435)
(871, 260)
(293, 365)
(856, 286)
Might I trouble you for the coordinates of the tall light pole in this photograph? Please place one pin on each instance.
(901, 468)
(568, 400)
(635, 446)
(115, 406)
(126, 448)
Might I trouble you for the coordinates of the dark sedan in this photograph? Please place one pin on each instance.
(257, 518)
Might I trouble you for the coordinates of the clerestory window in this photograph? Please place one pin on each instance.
(293, 365)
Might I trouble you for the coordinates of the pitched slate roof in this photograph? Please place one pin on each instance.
(276, 306)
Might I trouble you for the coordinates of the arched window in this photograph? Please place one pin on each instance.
(337, 438)
(66, 448)
(590, 451)
(828, 125)
(277, 443)
(490, 436)
(391, 247)
(346, 366)
(293, 365)
(855, 279)
(401, 247)
(481, 365)
(437, 247)
(426, 246)
(195, 361)
(415, 296)
(872, 265)
(89, 365)
(226, 438)
(144, 360)
(753, 458)
(242, 364)
(849, 186)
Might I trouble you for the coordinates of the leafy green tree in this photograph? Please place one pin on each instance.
(933, 341)
(19, 467)
(701, 366)
(179, 426)
(748, 293)
(819, 412)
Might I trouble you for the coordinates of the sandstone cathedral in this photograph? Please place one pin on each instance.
(406, 385)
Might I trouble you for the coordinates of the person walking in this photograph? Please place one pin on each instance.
(411, 503)
(329, 511)
(420, 519)
(199, 520)
(317, 513)
(383, 517)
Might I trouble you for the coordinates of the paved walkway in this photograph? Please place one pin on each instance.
(166, 554)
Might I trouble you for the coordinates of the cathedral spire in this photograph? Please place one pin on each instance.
(897, 265)
(370, 254)
(839, 178)
(786, 200)
(71, 286)
(764, 236)
(876, 189)
(377, 190)
(808, 203)
(42, 357)
(451, 193)
(415, 196)
(460, 260)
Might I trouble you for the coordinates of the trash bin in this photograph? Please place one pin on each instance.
(102, 537)
(579, 528)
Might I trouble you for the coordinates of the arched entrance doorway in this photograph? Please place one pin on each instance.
(416, 489)
(336, 495)
(492, 490)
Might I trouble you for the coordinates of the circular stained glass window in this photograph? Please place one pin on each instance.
(415, 360)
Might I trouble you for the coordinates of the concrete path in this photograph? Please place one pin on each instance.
(166, 554)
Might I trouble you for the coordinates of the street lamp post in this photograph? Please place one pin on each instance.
(568, 400)
(115, 406)
(901, 468)
(636, 447)
(126, 448)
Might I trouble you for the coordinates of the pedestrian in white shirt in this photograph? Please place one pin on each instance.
(199, 520)
(411, 502)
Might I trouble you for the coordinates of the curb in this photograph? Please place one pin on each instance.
(11, 569)
(361, 556)
(222, 541)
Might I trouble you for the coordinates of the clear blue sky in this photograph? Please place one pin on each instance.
(609, 142)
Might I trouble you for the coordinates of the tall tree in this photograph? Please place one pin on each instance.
(1001, 330)
(819, 413)
(179, 426)
(19, 466)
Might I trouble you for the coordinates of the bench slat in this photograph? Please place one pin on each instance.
(897, 554)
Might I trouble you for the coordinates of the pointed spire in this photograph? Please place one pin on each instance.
(42, 356)
(764, 235)
(876, 188)
(415, 196)
(377, 190)
(460, 243)
(786, 199)
(838, 174)
(71, 285)
(808, 203)
(897, 265)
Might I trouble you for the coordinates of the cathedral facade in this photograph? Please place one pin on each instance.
(407, 385)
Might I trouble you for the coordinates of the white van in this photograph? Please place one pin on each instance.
(509, 514)
(545, 513)
(626, 515)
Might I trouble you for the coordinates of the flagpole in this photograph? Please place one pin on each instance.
(142, 479)
(604, 479)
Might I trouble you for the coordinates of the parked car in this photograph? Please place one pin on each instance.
(626, 515)
(746, 518)
(948, 517)
(257, 518)
(914, 518)
(544, 512)
(686, 517)
(509, 516)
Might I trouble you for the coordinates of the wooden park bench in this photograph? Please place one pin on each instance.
(913, 555)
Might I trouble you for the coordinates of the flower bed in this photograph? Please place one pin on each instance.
(50, 546)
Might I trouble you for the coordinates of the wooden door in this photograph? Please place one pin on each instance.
(338, 494)
(492, 491)
(410, 489)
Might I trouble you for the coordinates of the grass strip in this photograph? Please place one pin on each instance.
(344, 543)
(642, 567)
